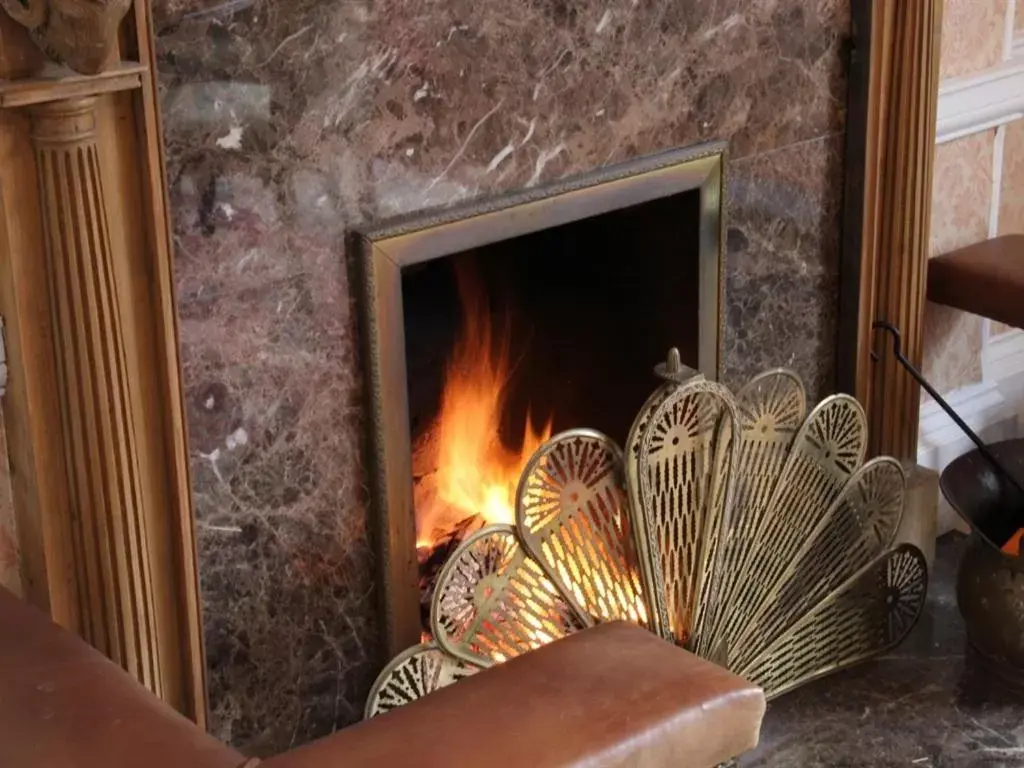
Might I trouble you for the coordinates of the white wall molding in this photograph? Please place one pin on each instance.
(980, 405)
(1017, 47)
(993, 408)
(985, 409)
(978, 102)
(1002, 357)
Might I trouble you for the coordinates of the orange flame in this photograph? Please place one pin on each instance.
(476, 474)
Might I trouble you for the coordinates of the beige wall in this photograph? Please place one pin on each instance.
(972, 36)
(964, 210)
(961, 200)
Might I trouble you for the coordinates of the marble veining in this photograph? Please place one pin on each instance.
(289, 122)
(782, 264)
(925, 704)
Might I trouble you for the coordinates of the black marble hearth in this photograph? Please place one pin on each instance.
(927, 704)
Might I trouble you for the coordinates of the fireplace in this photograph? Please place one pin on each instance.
(487, 327)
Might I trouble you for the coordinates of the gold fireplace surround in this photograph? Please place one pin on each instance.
(93, 404)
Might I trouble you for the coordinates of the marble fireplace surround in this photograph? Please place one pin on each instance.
(289, 124)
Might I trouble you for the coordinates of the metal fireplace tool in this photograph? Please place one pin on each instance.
(969, 489)
(983, 488)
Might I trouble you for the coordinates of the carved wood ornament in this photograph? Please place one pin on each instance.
(79, 33)
(94, 410)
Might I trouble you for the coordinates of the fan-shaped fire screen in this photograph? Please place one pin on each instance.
(738, 525)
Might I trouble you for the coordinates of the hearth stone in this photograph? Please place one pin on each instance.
(926, 704)
(290, 123)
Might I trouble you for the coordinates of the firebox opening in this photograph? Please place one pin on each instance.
(565, 323)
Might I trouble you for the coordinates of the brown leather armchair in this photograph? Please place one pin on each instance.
(610, 696)
(65, 705)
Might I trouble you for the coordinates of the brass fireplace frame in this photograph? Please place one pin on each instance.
(382, 253)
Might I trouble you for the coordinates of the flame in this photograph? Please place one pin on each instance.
(476, 474)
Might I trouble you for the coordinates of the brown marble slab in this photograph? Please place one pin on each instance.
(402, 105)
(285, 562)
(783, 263)
(288, 122)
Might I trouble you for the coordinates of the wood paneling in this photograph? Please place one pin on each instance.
(94, 406)
(29, 415)
(894, 93)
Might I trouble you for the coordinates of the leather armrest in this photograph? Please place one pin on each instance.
(63, 704)
(986, 279)
(614, 695)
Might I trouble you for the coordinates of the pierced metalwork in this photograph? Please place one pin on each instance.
(411, 675)
(632, 457)
(571, 516)
(747, 529)
(869, 614)
(771, 408)
(859, 527)
(826, 450)
(681, 503)
(493, 601)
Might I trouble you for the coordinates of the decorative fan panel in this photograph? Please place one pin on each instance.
(859, 527)
(676, 465)
(740, 526)
(827, 449)
(413, 674)
(493, 601)
(771, 409)
(868, 615)
(571, 514)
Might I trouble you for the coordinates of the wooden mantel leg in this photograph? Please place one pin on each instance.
(894, 94)
(94, 407)
(112, 578)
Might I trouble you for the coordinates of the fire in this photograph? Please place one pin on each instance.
(476, 474)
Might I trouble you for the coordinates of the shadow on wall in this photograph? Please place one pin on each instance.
(10, 553)
(952, 348)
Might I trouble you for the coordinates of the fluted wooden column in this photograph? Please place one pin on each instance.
(112, 575)
(94, 406)
(894, 94)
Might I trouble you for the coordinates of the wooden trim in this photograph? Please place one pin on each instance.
(28, 416)
(894, 93)
(56, 83)
(110, 564)
(174, 431)
(95, 406)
